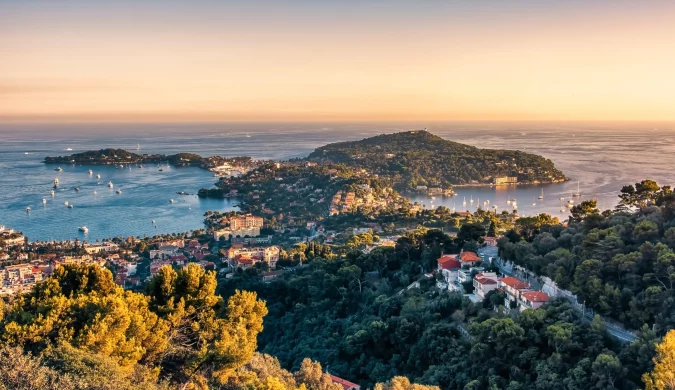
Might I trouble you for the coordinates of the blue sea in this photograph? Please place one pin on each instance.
(600, 157)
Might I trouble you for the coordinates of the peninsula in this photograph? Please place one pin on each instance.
(112, 156)
(418, 160)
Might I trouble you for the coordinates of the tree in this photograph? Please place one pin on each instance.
(662, 376)
(584, 210)
(606, 369)
(403, 383)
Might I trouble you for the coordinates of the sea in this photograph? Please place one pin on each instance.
(599, 158)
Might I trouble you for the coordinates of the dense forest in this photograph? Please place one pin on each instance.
(415, 158)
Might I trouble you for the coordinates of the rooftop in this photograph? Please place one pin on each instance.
(535, 296)
(514, 283)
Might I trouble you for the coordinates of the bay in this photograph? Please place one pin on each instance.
(601, 157)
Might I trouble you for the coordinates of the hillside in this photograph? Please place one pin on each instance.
(416, 158)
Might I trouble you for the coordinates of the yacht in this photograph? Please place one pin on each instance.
(91, 172)
(83, 229)
(94, 192)
(171, 200)
(56, 182)
(570, 201)
(44, 201)
(77, 188)
(28, 209)
(248, 135)
(69, 149)
(433, 197)
(70, 206)
(59, 169)
(577, 194)
(51, 193)
(119, 191)
(464, 201)
(110, 184)
(471, 200)
(138, 147)
(153, 221)
(65, 203)
(98, 176)
(542, 194)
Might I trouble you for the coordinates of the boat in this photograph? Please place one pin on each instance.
(69, 149)
(464, 201)
(56, 182)
(121, 165)
(110, 184)
(153, 221)
(83, 229)
(94, 192)
(433, 197)
(471, 200)
(28, 209)
(98, 176)
(65, 203)
(77, 188)
(542, 194)
(59, 169)
(161, 170)
(570, 201)
(577, 194)
(138, 147)
(248, 135)
(44, 201)
(70, 206)
(51, 193)
(171, 200)
(91, 172)
(119, 191)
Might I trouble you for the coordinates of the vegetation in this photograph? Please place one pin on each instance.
(620, 263)
(120, 156)
(413, 158)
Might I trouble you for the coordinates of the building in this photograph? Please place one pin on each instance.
(239, 255)
(483, 283)
(469, 258)
(532, 299)
(227, 233)
(346, 385)
(271, 275)
(513, 287)
(246, 221)
(103, 247)
(503, 180)
(449, 267)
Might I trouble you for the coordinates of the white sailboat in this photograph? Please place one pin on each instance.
(91, 172)
(471, 200)
(464, 201)
(542, 194)
(110, 184)
(44, 201)
(577, 194)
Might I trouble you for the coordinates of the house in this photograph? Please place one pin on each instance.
(513, 287)
(449, 266)
(491, 241)
(532, 299)
(269, 276)
(245, 221)
(483, 283)
(346, 385)
(469, 258)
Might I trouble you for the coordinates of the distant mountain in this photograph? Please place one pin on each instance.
(419, 158)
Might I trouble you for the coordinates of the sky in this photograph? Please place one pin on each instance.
(208, 60)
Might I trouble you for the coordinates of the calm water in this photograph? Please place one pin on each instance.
(602, 158)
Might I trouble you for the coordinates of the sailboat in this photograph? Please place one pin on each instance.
(577, 194)
(471, 200)
(138, 147)
(464, 201)
(542, 194)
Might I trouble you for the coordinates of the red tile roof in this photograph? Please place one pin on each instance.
(514, 283)
(535, 296)
(485, 281)
(469, 257)
(346, 385)
(449, 262)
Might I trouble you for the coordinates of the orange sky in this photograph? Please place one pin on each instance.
(211, 61)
